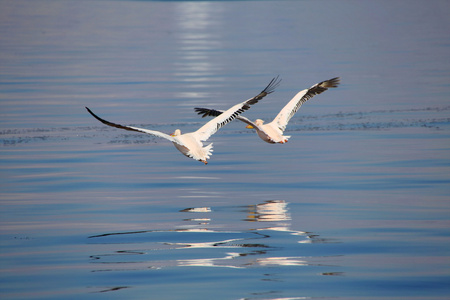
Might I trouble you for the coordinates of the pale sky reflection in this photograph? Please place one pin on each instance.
(195, 63)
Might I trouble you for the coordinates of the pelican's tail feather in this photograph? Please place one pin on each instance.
(208, 150)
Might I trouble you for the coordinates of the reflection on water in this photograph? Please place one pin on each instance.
(197, 209)
(369, 169)
(113, 289)
(274, 210)
(259, 246)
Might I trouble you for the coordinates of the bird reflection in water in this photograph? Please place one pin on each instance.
(216, 247)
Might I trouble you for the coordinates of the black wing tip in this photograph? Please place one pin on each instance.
(202, 111)
(332, 83)
(273, 84)
(90, 111)
(269, 89)
(206, 112)
(97, 117)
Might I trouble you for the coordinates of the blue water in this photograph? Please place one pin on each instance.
(355, 205)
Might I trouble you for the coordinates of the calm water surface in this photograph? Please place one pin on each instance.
(355, 206)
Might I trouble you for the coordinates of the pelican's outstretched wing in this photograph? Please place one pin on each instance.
(292, 107)
(214, 113)
(131, 128)
(232, 113)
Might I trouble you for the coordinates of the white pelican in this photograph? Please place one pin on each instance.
(273, 132)
(190, 144)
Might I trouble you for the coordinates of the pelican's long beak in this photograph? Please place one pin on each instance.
(249, 126)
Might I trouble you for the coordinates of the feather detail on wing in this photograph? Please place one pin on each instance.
(205, 112)
(270, 88)
(292, 107)
(131, 128)
(232, 113)
(218, 122)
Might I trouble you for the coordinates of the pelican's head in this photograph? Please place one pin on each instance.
(176, 133)
(258, 122)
